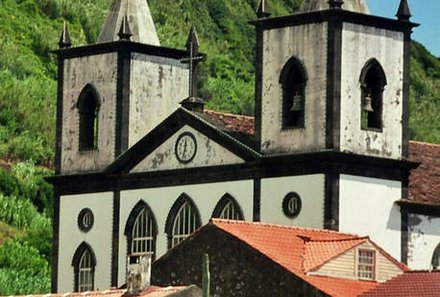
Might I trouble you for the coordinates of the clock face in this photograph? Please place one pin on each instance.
(186, 147)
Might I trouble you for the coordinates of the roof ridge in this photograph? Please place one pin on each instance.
(214, 220)
(229, 114)
(339, 239)
(424, 143)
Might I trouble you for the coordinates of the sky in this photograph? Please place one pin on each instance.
(424, 12)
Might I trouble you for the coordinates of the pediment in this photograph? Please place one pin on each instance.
(201, 144)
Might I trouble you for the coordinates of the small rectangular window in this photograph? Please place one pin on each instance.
(366, 264)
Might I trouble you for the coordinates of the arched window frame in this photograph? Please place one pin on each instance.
(225, 202)
(373, 81)
(88, 106)
(131, 223)
(293, 80)
(435, 261)
(174, 214)
(80, 252)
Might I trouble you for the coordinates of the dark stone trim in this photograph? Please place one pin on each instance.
(84, 246)
(116, 46)
(406, 93)
(226, 198)
(122, 102)
(326, 15)
(258, 84)
(59, 116)
(421, 208)
(166, 129)
(183, 198)
(257, 200)
(115, 238)
(404, 237)
(55, 243)
(128, 230)
(285, 165)
(331, 201)
(334, 64)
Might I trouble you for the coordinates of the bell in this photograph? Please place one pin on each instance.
(367, 103)
(297, 103)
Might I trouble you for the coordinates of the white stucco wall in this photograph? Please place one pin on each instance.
(423, 238)
(99, 237)
(311, 190)
(157, 85)
(101, 72)
(308, 43)
(208, 153)
(367, 208)
(360, 44)
(160, 200)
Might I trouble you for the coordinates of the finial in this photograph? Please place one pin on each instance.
(403, 13)
(125, 32)
(335, 4)
(192, 45)
(65, 37)
(263, 10)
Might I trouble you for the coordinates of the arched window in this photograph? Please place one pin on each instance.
(228, 208)
(183, 219)
(373, 82)
(88, 106)
(435, 262)
(84, 263)
(293, 81)
(141, 230)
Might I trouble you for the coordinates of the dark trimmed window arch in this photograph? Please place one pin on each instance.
(228, 208)
(293, 81)
(373, 82)
(141, 230)
(88, 107)
(435, 262)
(84, 263)
(183, 219)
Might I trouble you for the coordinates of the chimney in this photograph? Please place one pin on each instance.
(138, 273)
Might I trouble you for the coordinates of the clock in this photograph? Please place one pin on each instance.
(186, 147)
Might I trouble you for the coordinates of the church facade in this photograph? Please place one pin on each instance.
(140, 165)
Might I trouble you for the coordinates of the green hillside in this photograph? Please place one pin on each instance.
(29, 31)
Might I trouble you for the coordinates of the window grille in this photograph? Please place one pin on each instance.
(143, 234)
(85, 273)
(366, 264)
(185, 223)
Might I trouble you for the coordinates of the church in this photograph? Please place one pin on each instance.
(140, 164)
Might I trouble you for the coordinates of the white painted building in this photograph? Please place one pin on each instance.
(328, 147)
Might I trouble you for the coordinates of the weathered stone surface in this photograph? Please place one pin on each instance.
(352, 5)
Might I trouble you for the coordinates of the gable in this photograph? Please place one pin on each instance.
(207, 153)
(345, 265)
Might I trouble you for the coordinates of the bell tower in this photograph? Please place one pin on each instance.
(112, 93)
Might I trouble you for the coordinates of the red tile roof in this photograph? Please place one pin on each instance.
(288, 247)
(424, 181)
(409, 284)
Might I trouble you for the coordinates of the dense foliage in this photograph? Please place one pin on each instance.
(29, 31)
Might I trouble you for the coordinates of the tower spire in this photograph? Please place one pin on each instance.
(192, 45)
(138, 16)
(263, 10)
(403, 13)
(65, 41)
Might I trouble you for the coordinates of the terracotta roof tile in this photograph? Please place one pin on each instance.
(409, 284)
(287, 247)
(424, 184)
(424, 181)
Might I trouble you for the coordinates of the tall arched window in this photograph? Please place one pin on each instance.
(373, 82)
(88, 106)
(228, 208)
(183, 219)
(435, 262)
(141, 230)
(84, 263)
(293, 81)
